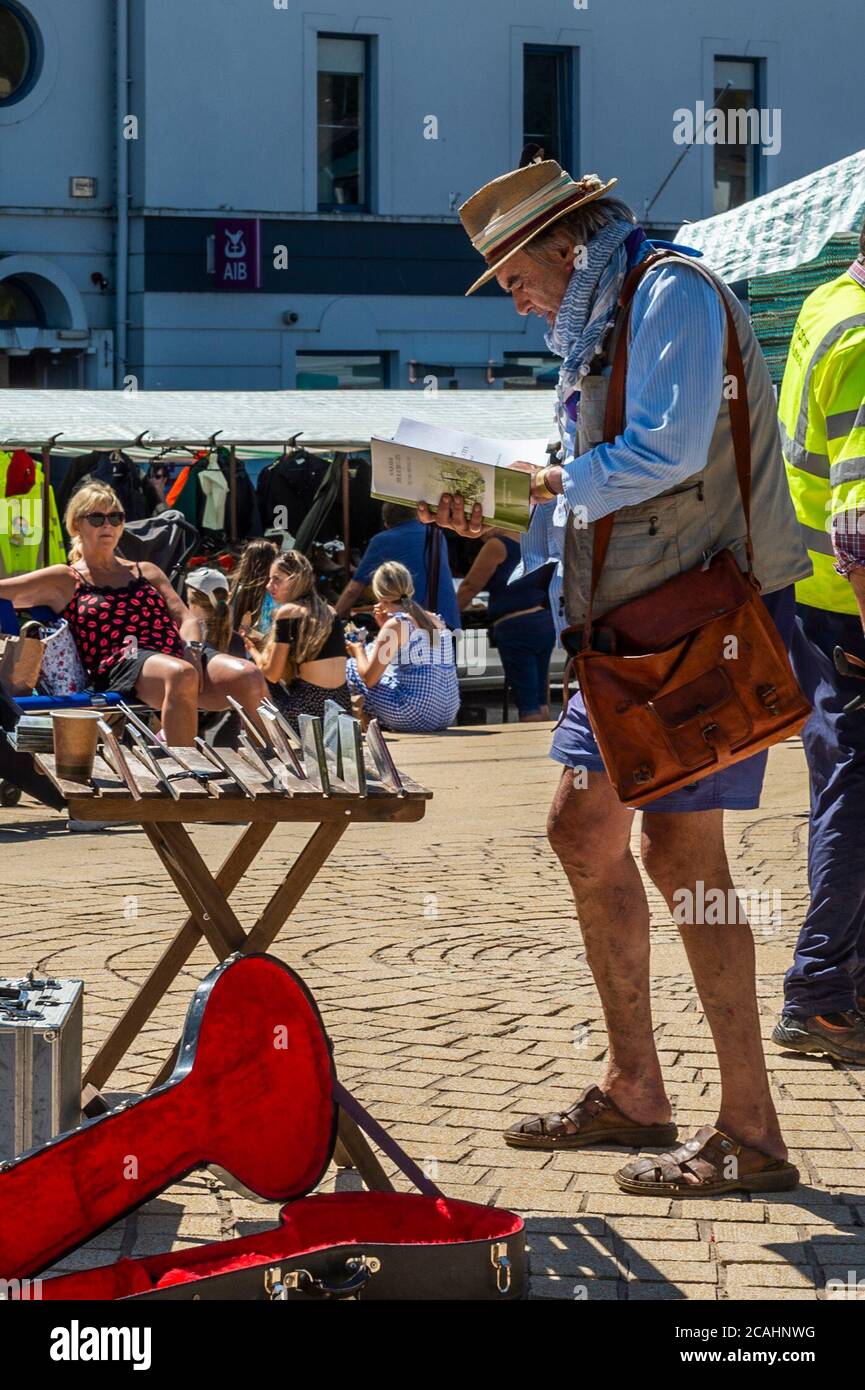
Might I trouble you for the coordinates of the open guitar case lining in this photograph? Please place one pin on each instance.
(255, 1093)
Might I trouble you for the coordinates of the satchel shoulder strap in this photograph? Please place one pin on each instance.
(614, 418)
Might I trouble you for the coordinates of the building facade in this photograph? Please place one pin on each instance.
(253, 194)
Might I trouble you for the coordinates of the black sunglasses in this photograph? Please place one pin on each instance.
(98, 519)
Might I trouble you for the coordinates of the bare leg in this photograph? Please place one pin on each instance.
(170, 685)
(229, 675)
(589, 830)
(679, 851)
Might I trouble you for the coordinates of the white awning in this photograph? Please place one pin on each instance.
(785, 228)
(257, 419)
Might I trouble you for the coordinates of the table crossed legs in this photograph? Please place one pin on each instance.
(211, 916)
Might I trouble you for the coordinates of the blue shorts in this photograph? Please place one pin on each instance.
(736, 788)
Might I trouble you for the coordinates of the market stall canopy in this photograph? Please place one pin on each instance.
(785, 228)
(196, 419)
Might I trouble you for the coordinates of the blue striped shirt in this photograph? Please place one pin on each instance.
(674, 388)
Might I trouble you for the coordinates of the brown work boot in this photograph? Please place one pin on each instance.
(841, 1036)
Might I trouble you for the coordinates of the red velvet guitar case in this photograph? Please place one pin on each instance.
(254, 1092)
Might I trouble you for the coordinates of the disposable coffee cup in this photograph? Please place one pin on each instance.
(75, 734)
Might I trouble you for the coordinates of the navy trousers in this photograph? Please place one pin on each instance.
(525, 645)
(828, 971)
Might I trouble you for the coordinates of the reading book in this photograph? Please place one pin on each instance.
(422, 461)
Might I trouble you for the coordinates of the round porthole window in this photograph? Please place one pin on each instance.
(20, 52)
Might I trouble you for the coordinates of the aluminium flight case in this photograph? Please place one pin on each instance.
(40, 1061)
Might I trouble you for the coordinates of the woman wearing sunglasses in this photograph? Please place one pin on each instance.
(132, 631)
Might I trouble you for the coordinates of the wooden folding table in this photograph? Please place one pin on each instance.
(164, 818)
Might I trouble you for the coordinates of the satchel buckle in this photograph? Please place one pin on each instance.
(710, 732)
(501, 1264)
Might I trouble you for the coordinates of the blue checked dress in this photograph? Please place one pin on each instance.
(419, 692)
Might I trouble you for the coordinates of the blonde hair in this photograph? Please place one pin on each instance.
(92, 497)
(392, 583)
(218, 621)
(314, 627)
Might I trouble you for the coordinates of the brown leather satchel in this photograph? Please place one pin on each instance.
(692, 676)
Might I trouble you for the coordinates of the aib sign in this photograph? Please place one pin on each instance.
(238, 259)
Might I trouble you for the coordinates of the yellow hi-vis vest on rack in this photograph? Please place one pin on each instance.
(822, 417)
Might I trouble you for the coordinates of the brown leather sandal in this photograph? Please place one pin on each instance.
(593, 1119)
(709, 1163)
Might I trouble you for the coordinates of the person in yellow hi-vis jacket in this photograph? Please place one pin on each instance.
(822, 415)
(21, 517)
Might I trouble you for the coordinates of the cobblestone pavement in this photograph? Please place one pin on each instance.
(452, 979)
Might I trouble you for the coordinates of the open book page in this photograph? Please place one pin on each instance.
(422, 461)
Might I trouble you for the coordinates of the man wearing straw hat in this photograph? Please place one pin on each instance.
(562, 248)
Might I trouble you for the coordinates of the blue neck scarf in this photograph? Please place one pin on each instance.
(587, 309)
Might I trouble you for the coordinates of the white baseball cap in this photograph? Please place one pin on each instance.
(213, 583)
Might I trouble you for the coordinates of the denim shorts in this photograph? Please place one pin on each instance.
(735, 788)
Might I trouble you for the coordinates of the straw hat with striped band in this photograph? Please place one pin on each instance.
(505, 215)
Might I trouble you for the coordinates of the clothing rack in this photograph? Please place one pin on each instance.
(142, 453)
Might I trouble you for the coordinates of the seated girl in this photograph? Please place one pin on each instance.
(207, 600)
(133, 633)
(304, 658)
(252, 607)
(407, 676)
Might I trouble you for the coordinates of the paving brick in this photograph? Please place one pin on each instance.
(647, 1270)
(577, 1225)
(514, 1074)
(772, 1294)
(667, 1228)
(818, 1215)
(838, 1252)
(731, 1208)
(743, 1252)
(621, 1203)
(756, 1275)
(678, 1292)
(497, 1104)
(655, 1248)
(504, 1157)
(532, 1199)
(753, 1233)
